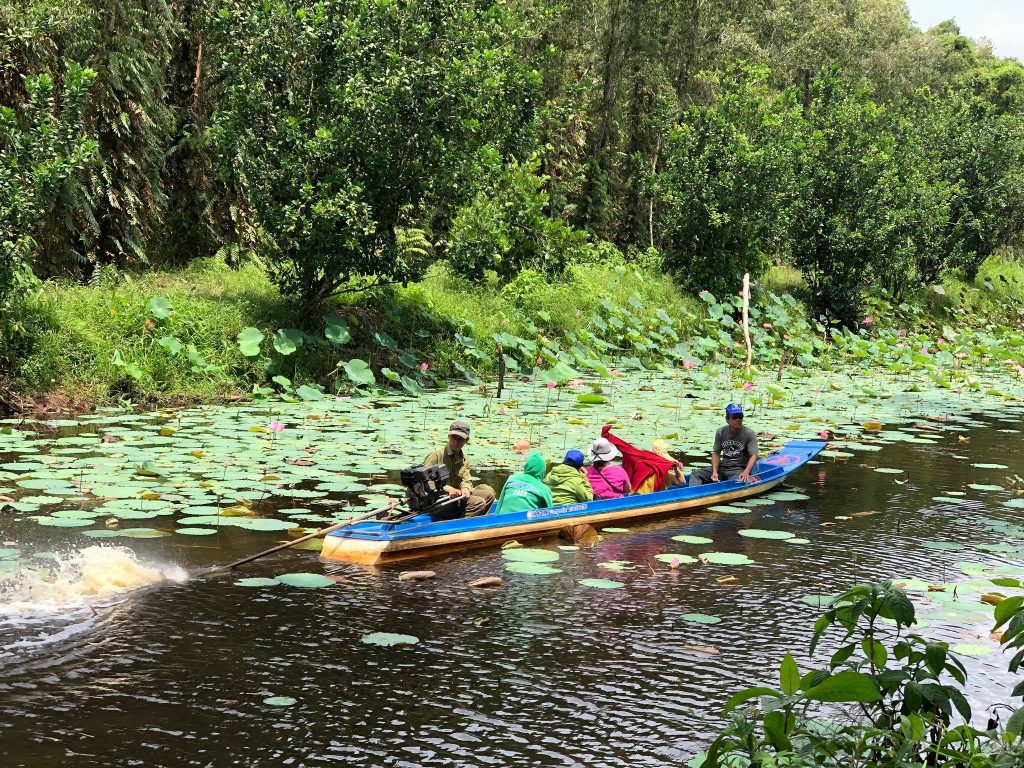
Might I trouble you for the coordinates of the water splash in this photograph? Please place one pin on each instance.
(81, 577)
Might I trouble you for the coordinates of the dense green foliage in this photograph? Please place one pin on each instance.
(339, 145)
(908, 691)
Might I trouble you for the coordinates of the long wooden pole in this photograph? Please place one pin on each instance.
(307, 537)
(746, 319)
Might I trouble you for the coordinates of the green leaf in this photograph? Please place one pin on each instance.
(775, 727)
(935, 657)
(412, 386)
(845, 686)
(746, 695)
(249, 340)
(385, 341)
(1015, 725)
(160, 308)
(307, 392)
(1007, 609)
(842, 655)
(875, 651)
(391, 375)
(287, 340)
(283, 382)
(171, 344)
(789, 675)
(336, 330)
(359, 373)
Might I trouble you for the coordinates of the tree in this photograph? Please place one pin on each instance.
(342, 121)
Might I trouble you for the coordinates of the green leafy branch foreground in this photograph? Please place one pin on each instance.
(900, 698)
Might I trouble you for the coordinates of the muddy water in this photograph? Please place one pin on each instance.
(540, 672)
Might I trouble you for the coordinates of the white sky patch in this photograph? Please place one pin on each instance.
(1001, 21)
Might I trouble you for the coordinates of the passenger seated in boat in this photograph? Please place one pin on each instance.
(674, 476)
(525, 490)
(734, 453)
(608, 480)
(648, 471)
(480, 497)
(568, 482)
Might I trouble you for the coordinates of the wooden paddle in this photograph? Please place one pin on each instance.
(307, 537)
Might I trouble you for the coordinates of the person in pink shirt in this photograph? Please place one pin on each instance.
(609, 481)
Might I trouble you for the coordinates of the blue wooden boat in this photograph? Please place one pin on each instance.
(375, 542)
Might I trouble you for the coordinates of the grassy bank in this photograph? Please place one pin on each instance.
(87, 336)
(102, 343)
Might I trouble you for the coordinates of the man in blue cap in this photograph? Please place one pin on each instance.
(734, 452)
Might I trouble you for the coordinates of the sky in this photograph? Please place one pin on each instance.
(1001, 21)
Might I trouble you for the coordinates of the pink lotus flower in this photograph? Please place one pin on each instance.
(540, 360)
(424, 365)
(740, 293)
(551, 385)
(688, 365)
(769, 326)
(960, 355)
(817, 389)
(786, 336)
(923, 350)
(941, 340)
(674, 562)
(614, 372)
(902, 333)
(823, 434)
(501, 411)
(867, 320)
(275, 426)
(747, 385)
(575, 383)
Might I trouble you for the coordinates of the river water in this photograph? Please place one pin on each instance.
(538, 672)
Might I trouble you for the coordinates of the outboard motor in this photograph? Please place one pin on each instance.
(425, 492)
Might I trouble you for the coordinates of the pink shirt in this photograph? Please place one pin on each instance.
(611, 482)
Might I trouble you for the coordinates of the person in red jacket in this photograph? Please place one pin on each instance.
(608, 480)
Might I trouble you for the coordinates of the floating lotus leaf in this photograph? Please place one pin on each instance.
(788, 496)
(8, 553)
(984, 487)
(796, 541)
(143, 533)
(1014, 503)
(687, 539)
(568, 547)
(263, 524)
(617, 565)
(949, 499)
(257, 581)
(818, 601)
(601, 583)
(530, 555)
(943, 546)
(889, 470)
(760, 533)
(195, 531)
(729, 509)
(615, 530)
(533, 568)
(972, 649)
(388, 639)
(669, 557)
(279, 701)
(726, 558)
(65, 522)
(755, 503)
(305, 580)
(990, 466)
(701, 618)
(971, 567)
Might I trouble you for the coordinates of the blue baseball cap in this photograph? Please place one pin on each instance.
(734, 409)
(573, 458)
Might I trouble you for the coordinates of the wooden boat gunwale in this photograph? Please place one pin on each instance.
(381, 541)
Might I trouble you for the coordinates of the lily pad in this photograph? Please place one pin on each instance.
(990, 466)
(305, 580)
(788, 496)
(687, 539)
(195, 531)
(280, 701)
(701, 618)
(601, 583)
(730, 510)
(889, 470)
(760, 533)
(726, 558)
(972, 649)
(388, 639)
(984, 487)
(796, 541)
(668, 557)
(615, 530)
(530, 555)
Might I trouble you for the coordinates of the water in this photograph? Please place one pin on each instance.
(142, 668)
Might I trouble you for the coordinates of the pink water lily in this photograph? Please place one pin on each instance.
(823, 434)
(540, 360)
(501, 411)
(614, 372)
(424, 365)
(688, 365)
(575, 383)
(923, 350)
(867, 320)
(748, 385)
(275, 426)
(551, 385)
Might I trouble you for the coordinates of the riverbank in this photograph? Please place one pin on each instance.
(172, 338)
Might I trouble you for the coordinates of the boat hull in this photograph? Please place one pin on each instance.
(377, 543)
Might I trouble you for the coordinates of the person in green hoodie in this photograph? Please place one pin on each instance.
(525, 490)
(568, 481)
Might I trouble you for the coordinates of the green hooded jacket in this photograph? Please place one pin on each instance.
(525, 490)
(568, 485)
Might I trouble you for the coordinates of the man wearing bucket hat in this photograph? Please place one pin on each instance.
(480, 497)
(568, 482)
(609, 481)
(734, 453)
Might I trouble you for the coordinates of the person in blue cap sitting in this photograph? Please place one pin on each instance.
(734, 452)
(568, 482)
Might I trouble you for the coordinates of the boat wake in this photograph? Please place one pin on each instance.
(80, 578)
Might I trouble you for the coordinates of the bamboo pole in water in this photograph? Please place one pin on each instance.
(746, 319)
